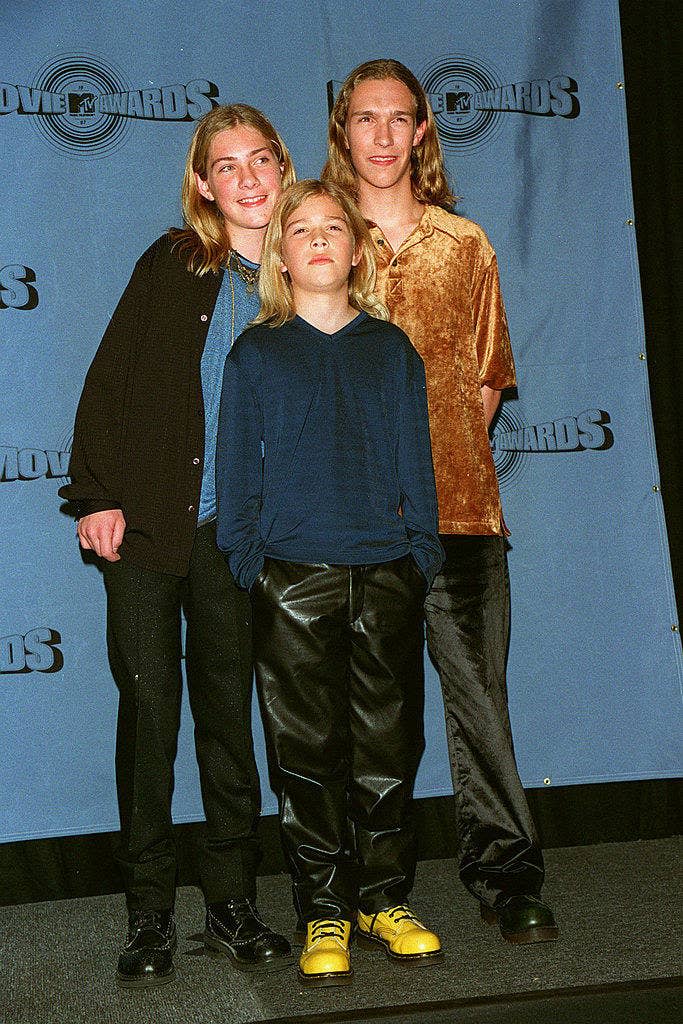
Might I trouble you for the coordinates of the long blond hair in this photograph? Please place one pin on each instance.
(275, 288)
(428, 176)
(204, 241)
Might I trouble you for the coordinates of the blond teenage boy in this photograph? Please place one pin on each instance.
(143, 482)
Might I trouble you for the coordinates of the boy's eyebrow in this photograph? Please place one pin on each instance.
(253, 152)
(372, 110)
(301, 220)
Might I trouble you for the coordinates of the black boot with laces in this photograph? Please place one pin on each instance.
(147, 955)
(234, 929)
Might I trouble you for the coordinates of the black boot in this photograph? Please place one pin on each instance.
(235, 929)
(147, 955)
(522, 919)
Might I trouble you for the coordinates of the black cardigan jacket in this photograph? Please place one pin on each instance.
(139, 433)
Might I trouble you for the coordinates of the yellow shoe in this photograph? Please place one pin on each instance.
(402, 937)
(325, 959)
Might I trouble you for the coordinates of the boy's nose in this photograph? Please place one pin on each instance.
(383, 134)
(248, 179)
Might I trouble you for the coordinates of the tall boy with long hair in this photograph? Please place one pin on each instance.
(438, 275)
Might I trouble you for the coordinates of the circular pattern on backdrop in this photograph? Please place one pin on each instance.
(509, 464)
(451, 83)
(84, 129)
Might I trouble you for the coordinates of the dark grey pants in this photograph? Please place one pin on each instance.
(144, 645)
(468, 621)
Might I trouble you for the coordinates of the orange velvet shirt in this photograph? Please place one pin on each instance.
(442, 289)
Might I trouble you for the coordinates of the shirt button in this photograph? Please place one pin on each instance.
(203, 318)
(190, 508)
(380, 241)
(195, 462)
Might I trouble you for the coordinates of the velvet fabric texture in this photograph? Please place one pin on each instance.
(442, 289)
(339, 668)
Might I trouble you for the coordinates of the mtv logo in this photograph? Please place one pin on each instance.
(82, 103)
(458, 102)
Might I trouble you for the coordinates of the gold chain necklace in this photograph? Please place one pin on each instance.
(248, 274)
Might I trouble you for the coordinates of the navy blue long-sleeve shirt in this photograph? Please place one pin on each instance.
(323, 451)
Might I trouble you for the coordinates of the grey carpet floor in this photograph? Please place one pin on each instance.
(617, 905)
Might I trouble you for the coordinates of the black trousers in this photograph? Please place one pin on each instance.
(144, 645)
(468, 621)
(338, 652)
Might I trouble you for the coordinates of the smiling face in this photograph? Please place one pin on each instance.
(318, 248)
(243, 178)
(381, 132)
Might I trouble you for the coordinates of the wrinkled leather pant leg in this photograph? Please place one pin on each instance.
(386, 709)
(301, 654)
(467, 613)
(219, 674)
(316, 650)
(143, 642)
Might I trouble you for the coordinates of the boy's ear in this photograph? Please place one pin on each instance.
(203, 187)
(283, 268)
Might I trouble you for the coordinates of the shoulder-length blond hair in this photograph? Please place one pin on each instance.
(275, 288)
(427, 174)
(203, 241)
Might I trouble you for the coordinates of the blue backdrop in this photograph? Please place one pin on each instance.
(97, 105)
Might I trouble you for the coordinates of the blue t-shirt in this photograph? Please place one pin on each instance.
(323, 449)
(216, 349)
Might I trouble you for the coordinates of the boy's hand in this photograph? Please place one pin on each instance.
(102, 532)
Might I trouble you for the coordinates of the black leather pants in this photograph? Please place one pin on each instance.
(468, 618)
(338, 652)
(144, 644)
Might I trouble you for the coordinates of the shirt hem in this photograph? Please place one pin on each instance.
(472, 528)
